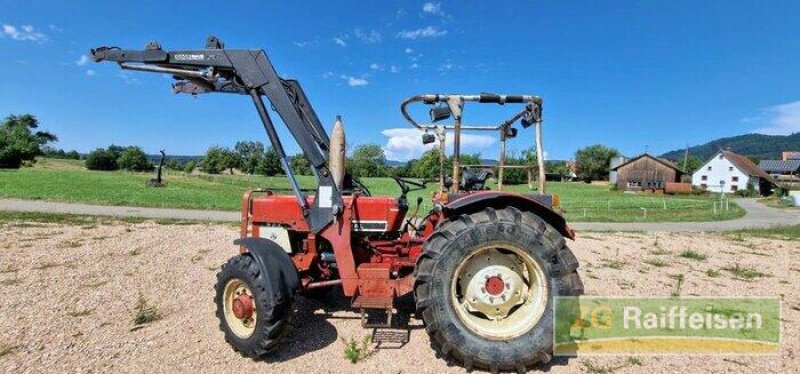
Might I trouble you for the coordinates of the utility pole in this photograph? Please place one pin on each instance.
(686, 157)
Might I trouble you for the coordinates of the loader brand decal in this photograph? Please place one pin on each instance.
(190, 57)
(676, 325)
(374, 226)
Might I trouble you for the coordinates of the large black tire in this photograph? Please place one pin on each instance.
(455, 241)
(274, 318)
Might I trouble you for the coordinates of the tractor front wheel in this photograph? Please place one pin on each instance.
(254, 323)
(485, 285)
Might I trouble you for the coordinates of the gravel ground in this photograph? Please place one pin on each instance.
(68, 294)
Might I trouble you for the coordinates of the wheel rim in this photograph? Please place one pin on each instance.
(499, 291)
(240, 308)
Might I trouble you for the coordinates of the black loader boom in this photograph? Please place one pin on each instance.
(247, 72)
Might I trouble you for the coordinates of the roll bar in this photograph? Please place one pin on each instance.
(530, 115)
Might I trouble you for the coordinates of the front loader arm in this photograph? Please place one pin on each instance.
(248, 72)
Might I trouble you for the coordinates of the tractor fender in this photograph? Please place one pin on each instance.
(478, 201)
(283, 280)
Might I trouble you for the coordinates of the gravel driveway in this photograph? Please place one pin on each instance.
(68, 293)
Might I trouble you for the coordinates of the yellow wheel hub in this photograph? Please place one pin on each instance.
(240, 310)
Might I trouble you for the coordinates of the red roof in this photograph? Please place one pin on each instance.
(745, 165)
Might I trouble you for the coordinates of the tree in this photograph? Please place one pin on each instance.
(212, 162)
(72, 155)
(101, 159)
(230, 160)
(134, 159)
(692, 164)
(368, 160)
(593, 161)
(18, 141)
(427, 166)
(173, 164)
(519, 175)
(557, 167)
(189, 167)
(300, 165)
(271, 163)
(251, 155)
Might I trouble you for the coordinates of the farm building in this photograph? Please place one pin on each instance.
(646, 172)
(729, 172)
(786, 156)
(785, 172)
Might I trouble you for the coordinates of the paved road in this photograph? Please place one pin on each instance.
(758, 216)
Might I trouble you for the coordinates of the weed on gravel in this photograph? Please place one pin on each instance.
(614, 264)
(745, 273)
(679, 285)
(144, 312)
(693, 255)
(81, 313)
(356, 352)
(713, 273)
(656, 262)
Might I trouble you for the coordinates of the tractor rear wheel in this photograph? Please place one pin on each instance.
(254, 323)
(485, 285)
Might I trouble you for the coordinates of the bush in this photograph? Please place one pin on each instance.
(134, 159)
(189, 167)
(213, 162)
(101, 159)
(300, 165)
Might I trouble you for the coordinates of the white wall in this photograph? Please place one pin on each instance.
(720, 171)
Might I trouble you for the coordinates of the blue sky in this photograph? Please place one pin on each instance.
(629, 74)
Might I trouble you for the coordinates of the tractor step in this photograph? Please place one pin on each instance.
(374, 302)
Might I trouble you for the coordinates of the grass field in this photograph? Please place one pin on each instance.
(62, 180)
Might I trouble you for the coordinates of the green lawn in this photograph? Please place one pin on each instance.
(61, 180)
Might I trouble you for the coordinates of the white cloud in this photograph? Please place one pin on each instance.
(90, 73)
(406, 143)
(370, 37)
(23, 33)
(327, 74)
(340, 41)
(82, 61)
(394, 69)
(375, 66)
(414, 66)
(354, 82)
(302, 44)
(427, 32)
(55, 28)
(433, 8)
(446, 66)
(783, 119)
(408, 50)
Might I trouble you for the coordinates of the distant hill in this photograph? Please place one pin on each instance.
(758, 145)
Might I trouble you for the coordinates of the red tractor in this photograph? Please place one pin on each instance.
(484, 266)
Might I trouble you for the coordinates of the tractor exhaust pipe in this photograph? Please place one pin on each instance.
(337, 156)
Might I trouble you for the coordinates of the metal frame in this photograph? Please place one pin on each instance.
(248, 72)
(530, 115)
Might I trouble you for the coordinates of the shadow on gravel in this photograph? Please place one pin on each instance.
(312, 332)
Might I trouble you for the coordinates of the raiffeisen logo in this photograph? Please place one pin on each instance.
(671, 325)
(680, 318)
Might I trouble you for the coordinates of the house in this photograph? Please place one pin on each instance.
(646, 172)
(786, 156)
(729, 172)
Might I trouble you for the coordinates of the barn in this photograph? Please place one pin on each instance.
(646, 173)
